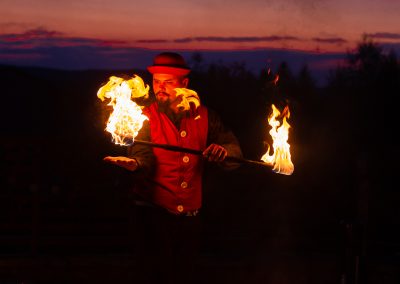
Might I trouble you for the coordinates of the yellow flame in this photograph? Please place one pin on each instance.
(281, 158)
(188, 96)
(136, 85)
(126, 119)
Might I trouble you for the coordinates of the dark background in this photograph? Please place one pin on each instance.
(66, 216)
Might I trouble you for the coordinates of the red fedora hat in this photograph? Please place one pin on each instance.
(169, 63)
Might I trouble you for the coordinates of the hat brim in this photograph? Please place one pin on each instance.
(168, 70)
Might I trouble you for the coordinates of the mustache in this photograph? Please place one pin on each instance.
(162, 93)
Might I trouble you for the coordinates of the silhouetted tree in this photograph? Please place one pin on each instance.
(286, 83)
(305, 82)
(305, 105)
(366, 87)
(362, 94)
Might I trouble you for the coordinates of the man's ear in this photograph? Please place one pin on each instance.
(185, 82)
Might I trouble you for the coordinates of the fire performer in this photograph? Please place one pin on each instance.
(168, 184)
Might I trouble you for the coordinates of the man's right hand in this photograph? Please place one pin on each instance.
(123, 162)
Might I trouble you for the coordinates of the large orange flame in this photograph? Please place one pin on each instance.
(126, 119)
(281, 158)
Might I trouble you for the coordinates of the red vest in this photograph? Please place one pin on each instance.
(177, 184)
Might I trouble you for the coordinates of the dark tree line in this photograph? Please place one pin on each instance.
(342, 136)
(352, 117)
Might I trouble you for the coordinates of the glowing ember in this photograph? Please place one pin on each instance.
(126, 119)
(280, 159)
(276, 79)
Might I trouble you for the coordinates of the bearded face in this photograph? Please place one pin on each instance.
(164, 89)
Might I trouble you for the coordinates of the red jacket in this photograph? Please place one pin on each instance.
(177, 184)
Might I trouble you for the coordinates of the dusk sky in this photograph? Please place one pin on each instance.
(35, 32)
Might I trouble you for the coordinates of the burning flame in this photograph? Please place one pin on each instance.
(280, 159)
(126, 119)
(188, 96)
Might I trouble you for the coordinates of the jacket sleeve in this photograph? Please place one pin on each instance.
(219, 134)
(143, 153)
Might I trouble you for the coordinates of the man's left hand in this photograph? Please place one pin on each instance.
(215, 153)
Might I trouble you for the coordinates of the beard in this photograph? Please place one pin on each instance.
(163, 105)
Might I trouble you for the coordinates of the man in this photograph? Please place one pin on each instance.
(168, 184)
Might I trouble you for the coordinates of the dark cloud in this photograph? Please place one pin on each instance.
(384, 35)
(34, 34)
(41, 37)
(246, 39)
(112, 42)
(332, 40)
(152, 41)
(183, 40)
(225, 39)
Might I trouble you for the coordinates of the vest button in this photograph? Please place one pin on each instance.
(184, 184)
(185, 159)
(183, 133)
(179, 208)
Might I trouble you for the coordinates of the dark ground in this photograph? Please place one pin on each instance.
(256, 231)
(66, 217)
